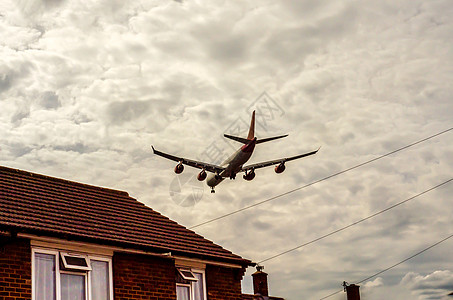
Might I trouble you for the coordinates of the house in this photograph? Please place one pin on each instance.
(65, 240)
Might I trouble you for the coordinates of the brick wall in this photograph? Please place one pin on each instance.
(15, 269)
(223, 283)
(135, 277)
(143, 277)
(146, 277)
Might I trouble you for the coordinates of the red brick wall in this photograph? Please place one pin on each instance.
(15, 269)
(143, 277)
(223, 283)
(147, 277)
(135, 277)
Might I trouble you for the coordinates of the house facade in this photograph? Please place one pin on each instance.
(64, 240)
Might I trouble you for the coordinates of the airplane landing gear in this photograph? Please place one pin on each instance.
(233, 176)
(212, 190)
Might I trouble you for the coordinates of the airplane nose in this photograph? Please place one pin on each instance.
(210, 181)
(213, 180)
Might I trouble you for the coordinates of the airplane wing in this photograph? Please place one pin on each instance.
(189, 162)
(275, 162)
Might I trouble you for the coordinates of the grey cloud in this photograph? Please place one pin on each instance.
(32, 8)
(49, 100)
(122, 112)
(230, 50)
(222, 43)
(154, 115)
(262, 226)
(311, 8)
(76, 147)
(293, 44)
(289, 46)
(436, 280)
(12, 72)
(79, 118)
(356, 188)
(5, 82)
(21, 113)
(17, 149)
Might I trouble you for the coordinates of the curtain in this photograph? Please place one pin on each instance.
(182, 292)
(100, 280)
(72, 287)
(44, 276)
(198, 286)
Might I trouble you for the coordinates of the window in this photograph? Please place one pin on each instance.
(75, 261)
(187, 274)
(70, 276)
(190, 284)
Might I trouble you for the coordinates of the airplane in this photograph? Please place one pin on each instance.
(235, 163)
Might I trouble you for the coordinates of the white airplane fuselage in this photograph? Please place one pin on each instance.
(233, 164)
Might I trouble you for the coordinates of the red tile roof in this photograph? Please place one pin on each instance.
(39, 204)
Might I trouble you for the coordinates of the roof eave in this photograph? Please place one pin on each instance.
(15, 230)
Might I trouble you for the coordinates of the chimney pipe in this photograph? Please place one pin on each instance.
(352, 291)
(260, 282)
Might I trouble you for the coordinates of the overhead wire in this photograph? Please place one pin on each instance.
(355, 223)
(320, 180)
(395, 265)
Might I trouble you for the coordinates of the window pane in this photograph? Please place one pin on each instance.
(76, 261)
(187, 274)
(182, 292)
(198, 286)
(44, 276)
(99, 280)
(72, 287)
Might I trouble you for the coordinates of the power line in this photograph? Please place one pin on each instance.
(355, 223)
(395, 265)
(320, 180)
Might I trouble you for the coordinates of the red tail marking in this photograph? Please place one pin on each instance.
(248, 148)
(252, 128)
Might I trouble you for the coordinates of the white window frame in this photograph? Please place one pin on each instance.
(84, 274)
(110, 266)
(184, 276)
(58, 272)
(203, 276)
(191, 285)
(190, 289)
(75, 267)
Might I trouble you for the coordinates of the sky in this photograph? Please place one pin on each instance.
(86, 87)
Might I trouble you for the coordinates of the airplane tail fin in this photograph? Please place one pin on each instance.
(252, 128)
(251, 135)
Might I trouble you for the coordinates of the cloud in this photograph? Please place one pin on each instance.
(120, 112)
(33, 7)
(49, 100)
(22, 111)
(91, 85)
(374, 283)
(436, 284)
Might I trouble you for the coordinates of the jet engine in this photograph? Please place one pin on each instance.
(249, 175)
(179, 168)
(280, 168)
(202, 175)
